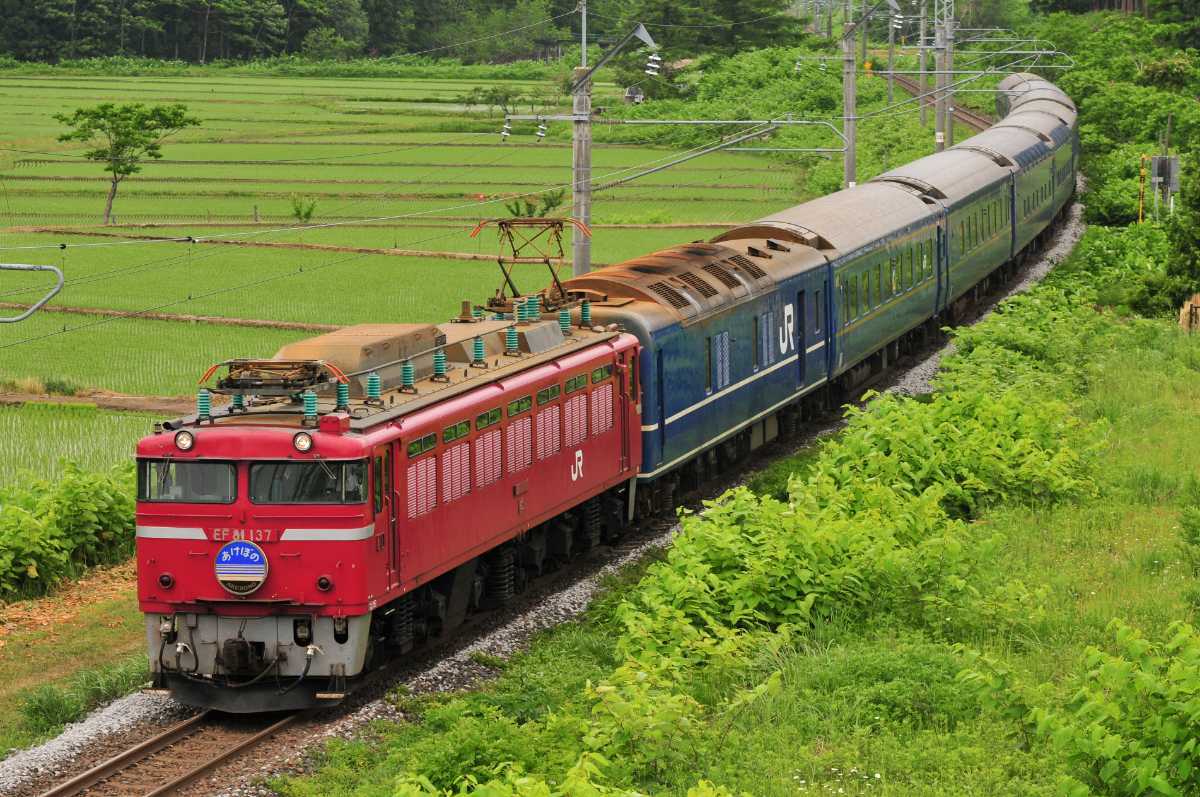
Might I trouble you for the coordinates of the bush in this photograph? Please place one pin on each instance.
(51, 532)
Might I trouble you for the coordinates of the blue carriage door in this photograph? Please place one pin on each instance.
(802, 334)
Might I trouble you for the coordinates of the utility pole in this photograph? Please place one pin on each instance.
(863, 21)
(581, 173)
(893, 21)
(943, 22)
(939, 49)
(949, 72)
(924, 83)
(581, 155)
(829, 19)
(849, 103)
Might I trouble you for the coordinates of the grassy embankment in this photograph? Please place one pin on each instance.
(1033, 500)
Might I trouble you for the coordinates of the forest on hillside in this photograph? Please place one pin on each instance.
(201, 31)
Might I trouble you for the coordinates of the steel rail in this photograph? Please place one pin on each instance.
(142, 751)
(216, 761)
(139, 752)
(975, 121)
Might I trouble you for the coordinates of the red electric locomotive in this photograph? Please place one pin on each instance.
(369, 487)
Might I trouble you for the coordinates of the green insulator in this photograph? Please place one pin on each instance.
(374, 386)
(477, 350)
(510, 340)
(476, 312)
(407, 374)
(498, 317)
(564, 321)
(343, 395)
(204, 404)
(585, 313)
(310, 404)
(239, 402)
(522, 309)
(439, 364)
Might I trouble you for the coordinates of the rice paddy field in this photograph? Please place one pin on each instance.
(400, 172)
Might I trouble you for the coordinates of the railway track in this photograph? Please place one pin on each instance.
(175, 758)
(972, 119)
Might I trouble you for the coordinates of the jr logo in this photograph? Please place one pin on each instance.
(787, 331)
(577, 467)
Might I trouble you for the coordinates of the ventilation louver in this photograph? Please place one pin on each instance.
(746, 264)
(701, 286)
(723, 276)
(673, 297)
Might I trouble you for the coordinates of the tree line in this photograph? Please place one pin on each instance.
(201, 31)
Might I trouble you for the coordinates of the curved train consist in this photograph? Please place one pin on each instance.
(368, 488)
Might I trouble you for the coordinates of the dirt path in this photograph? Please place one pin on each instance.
(193, 319)
(168, 406)
(58, 609)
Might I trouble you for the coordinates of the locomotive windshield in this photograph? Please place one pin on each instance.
(316, 482)
(186, 482)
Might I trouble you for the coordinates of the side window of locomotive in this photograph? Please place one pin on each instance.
(605, 372)
(486, 419)
(422, 445)
(521, 405)
(187, 482)
(549, 394)
(317, 482)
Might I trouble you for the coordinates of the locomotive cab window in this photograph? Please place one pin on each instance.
(316, 482)
(187, 482)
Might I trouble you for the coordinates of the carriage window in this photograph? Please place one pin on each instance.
(854, 290)
(317, 482)
(879, 283)
(486, 419)
(189, 482)
(845, 305)
(818, 310)
(757, 338)
(418, 447)
(866, 303)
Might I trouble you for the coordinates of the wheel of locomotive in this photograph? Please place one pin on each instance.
(402, 633)
(592, 528)
(501, 577)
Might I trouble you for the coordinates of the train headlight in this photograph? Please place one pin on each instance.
(324, 583)
(166, 581)
(302, 442)
(185, 440)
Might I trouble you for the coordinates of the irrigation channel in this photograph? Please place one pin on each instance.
(182, 758)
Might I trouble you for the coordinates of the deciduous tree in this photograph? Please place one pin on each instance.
(123, 135)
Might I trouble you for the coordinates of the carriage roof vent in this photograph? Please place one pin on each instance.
(747, 265)
(723, 275)
(754, 251)
(672, 296)
(998, 158)
(698, 284)
(776, 246)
